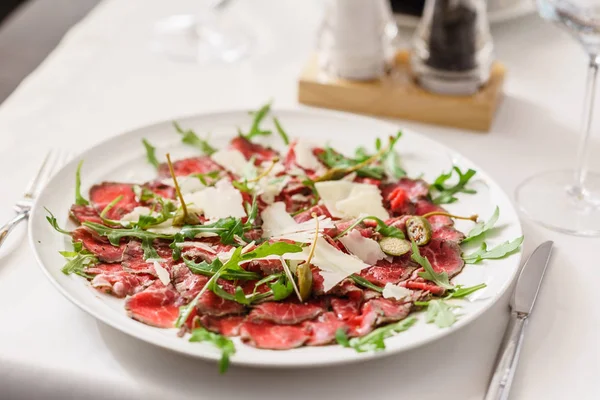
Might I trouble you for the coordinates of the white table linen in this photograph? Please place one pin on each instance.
(103, 80)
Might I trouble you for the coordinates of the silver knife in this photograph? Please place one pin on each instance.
(526, 290)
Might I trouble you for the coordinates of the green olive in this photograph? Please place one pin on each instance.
(394, 246)
(305, 280)
(418, 230)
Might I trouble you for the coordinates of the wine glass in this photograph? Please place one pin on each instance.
(569, 201)
(208, 36)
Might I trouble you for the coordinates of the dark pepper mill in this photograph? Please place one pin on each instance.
(452, 48)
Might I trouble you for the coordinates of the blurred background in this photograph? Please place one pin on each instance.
(30, 29)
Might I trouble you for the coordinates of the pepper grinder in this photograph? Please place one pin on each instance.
(452, 50)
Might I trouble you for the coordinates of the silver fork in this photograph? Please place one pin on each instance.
(54, 160)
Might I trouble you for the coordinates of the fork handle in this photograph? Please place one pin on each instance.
(10, 225)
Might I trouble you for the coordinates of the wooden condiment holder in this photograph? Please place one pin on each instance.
(397, 95)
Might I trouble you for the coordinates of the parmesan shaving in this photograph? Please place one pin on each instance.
(135, 214)
(364, 248)
(232, 160)
(198, 245)
(278, 224)
(165, 227)
(220, 201)
(187, 184)
(391, 291)
(345, 199)
(334, 264)
(305, 157)
(162, 273)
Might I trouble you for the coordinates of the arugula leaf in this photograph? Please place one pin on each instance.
(236, 228)
(52, 220)
(252, 212)
(440, 279)
(311, 184)
(389, 160)
(149, 250)
(221, 342)
(445, 194)
(232, 267)
(166, 212)
(232, 263)
(189, 137)
(385, 230)
(342, 338)
(440, 313)
(107, 209)
(482, 227)
(114, 235)
(281, 132)
(374, 341)
(226, 228)
(281, 288)
(258, 118)
(388, 231)
(359, 280)
(151, 153)
(143, 194)
(242, 186)
(213, 175)
(269, 249)
(460, 292)
(79, 200)
(78, 260)
(500, 251)
(204, 268)
(338, 162)
(394, 166)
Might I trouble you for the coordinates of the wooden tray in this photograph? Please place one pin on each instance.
(397, 95)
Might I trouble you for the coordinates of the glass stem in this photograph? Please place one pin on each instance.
(588, 107)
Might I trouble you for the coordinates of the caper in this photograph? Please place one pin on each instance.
(181, 218)
(418, 230)
(305, 280)
(394, 246)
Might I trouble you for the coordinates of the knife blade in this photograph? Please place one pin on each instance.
(530, 279)
(523, 300)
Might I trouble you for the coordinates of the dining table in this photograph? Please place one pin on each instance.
(104, 79)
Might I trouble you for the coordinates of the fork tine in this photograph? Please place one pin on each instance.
(62, 157)
(49, 159)
(55, 160)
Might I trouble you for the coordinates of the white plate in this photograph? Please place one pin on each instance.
(517, 10)
(122, 158)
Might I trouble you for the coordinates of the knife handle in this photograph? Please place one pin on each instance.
(499, 387)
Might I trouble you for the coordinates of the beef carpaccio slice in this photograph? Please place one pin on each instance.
(189, 166)
(249, 150)
(99, 246)
(268, 335)
(156, 306)
(444, 256)
(285, 313)
(103, 194)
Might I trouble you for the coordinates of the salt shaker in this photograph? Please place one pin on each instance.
(354, 41)
(452, 48)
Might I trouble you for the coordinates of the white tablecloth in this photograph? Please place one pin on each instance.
(103, 80)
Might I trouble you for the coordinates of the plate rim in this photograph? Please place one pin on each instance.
(357, 357)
